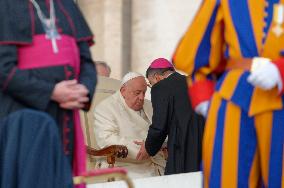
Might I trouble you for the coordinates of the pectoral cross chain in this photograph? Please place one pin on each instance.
(53, 35)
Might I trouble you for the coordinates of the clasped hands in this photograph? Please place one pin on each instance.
(142, 154)
(70, 94)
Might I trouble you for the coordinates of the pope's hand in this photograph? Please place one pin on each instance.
(142, 154)
(264, 74)
(202, 108)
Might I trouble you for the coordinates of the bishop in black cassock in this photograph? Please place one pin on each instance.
(174, 117)
(22, 33)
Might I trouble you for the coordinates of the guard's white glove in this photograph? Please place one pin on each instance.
(264, 74)
(202, 108)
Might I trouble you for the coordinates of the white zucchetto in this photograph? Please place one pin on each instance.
(129, 76)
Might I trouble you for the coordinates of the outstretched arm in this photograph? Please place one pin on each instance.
(159, 129)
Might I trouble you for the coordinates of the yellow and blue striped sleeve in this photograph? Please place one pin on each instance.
(200, 52)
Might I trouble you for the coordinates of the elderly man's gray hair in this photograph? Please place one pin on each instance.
(104, 64)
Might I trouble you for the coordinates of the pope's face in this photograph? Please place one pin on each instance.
(133, 93)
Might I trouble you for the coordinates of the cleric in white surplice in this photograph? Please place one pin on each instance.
(124, 118)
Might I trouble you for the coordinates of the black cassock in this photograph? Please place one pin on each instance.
(32, 88)
(174, 117)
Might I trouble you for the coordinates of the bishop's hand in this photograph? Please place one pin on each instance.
(70, 94)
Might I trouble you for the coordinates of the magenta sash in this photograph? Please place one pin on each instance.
(39, 55)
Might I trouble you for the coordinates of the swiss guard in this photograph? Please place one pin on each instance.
(234, 52)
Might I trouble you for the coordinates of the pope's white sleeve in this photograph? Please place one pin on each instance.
(106, 132)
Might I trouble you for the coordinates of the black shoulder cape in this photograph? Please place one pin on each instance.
(16, 21)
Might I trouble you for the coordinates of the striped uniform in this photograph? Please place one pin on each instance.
(243, 140)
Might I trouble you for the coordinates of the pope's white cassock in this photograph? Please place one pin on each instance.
(117, 124)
